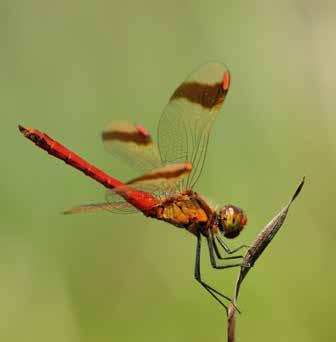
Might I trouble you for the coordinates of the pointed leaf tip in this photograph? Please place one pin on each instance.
(298, 190)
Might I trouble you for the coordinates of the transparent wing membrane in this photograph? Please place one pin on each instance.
(133, 144)
(117, 204)
(165, 178)
(161, 182)
(183, 135)
(120, 206)
(186, 122)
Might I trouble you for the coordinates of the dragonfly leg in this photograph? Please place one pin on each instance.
(213, 292)
(213, 259)
(220, 257)
(227, 248)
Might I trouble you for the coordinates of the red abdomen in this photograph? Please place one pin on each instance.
(141, 200)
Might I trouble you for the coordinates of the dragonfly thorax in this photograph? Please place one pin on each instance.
(184, 210)
(231, 221)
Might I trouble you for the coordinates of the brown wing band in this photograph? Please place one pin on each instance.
(135, 137)
(206, 95)
(166, 175)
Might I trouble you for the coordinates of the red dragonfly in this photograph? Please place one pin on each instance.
(170, 169)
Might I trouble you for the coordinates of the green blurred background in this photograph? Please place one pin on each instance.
(69, 67)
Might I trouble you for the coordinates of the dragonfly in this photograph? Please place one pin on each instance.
(169, 170)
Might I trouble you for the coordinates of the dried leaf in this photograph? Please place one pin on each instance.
(262, 241)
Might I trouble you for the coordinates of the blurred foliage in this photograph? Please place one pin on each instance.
(67, 68)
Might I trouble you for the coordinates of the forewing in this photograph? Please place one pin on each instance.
(186, 122)
(133, 144)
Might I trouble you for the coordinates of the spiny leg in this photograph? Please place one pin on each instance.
(221, 257)
(210, 289)
(213, 259)
(227, 248)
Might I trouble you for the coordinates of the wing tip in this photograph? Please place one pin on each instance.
(142, 130)
(188, 166)
(226, 81)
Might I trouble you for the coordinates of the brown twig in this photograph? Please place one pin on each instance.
(263, 239)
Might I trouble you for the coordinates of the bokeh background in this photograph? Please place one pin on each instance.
(69, 67)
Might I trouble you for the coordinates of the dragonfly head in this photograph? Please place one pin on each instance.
(231, 221)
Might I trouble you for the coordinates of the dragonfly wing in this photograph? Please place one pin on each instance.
(118, 206)
(133, 144)
(186, 122)
(162, 181)
(159, 183)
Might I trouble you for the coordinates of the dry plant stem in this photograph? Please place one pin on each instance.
(263, 239)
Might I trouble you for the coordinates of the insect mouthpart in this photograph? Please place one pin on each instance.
(231, 221)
